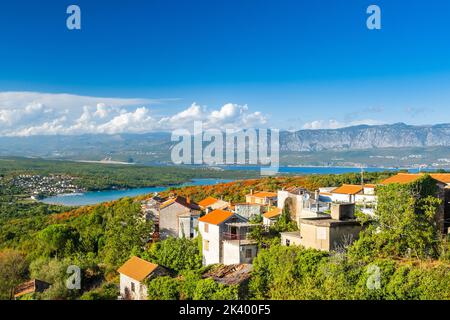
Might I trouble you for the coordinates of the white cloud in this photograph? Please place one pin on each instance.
(334, 124)
(32, 113)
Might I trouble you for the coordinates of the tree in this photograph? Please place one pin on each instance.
(126, 232)
(13, 268)
(176, 254)
(58, 238)
(404, 223)
(284, 222)
(208, 289)
(163, 288)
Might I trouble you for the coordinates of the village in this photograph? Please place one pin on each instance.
(38, 186)
(326, 220)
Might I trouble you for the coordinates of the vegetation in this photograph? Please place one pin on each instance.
(400, 255)
(94, 176)
(295, 273)
(405, 224)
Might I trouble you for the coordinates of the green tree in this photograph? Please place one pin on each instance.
(163, 288)
(208, 289)
(126, 232)
(176, 254)
(58, 239)
(13, 270)
(404, 224)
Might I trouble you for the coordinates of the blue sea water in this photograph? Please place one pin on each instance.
(95, 197)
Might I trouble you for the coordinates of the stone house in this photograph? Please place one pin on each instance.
(262, 197)
(178, 217)
(326, 233)
(133, 275)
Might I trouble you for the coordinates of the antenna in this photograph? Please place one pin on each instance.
(362, 176)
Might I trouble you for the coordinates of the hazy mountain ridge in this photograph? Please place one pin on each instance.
(393, 145)
(397, 135)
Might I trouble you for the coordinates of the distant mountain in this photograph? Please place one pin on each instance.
(319, 147)
(397, 135)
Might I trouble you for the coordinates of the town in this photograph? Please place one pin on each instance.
(325, 220)
(38, 186)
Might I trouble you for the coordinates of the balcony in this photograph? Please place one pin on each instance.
(235, 236)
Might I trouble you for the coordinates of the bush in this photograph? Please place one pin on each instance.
(163, 288)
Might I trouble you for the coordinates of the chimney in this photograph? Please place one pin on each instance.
(188, 200)
(342, 211)
(251, 192)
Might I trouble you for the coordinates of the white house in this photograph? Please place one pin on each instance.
(271, 216)
(212, 226)
(225, 239)
(133, 273)
(349, 193)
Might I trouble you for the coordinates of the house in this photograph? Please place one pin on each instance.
(210, 204)
(238, 247)
(294, 197)
(150, 210)
(249, 210)
(271, 216)
(326, 233)
(359, 194)
(225, 238)
(30, 287)
(443, 184)
(178, 217)
(133, 274)
(262, 197)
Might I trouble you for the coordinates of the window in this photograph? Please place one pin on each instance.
(133, 289)
(206, 228)
(248, 253)
(192, 235)
(206, 245)
(288, 242)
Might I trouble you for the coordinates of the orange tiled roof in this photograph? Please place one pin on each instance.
(368, 185)
(402, 178)
(207, 202)
(348, 189)
(216, 217)
(411, 177)
(275, 212)
(441, 177)
(137, 268)
(263, 194)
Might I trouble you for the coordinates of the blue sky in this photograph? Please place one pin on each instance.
(298, 63)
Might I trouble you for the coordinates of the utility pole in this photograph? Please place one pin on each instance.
(362, 176)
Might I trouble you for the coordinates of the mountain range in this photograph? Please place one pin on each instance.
(374, 145)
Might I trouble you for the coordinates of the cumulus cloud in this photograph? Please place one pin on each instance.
(31, 113)
(335, 124)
